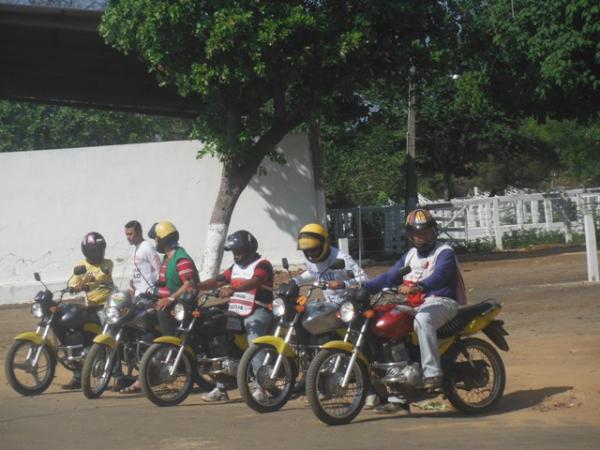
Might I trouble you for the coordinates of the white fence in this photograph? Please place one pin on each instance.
(469, 219)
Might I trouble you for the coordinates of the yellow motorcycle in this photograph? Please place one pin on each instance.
(31, 361)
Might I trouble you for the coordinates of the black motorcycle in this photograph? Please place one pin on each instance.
(129, 331)
(31, 361)
(207, 349)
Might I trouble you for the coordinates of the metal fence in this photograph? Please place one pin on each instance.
(376, 232)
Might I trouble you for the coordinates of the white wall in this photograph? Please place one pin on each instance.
(49, 199)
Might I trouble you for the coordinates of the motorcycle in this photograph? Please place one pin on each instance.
(128, 332)
(285, 356)
(386, 356)
(207, 350)
(31, 361)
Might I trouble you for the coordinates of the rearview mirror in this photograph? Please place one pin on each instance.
(79, 270)
(285, 263)
(400, 274)
(37, 277)
(338, 264)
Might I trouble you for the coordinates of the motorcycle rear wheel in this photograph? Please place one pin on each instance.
(475, 390)
(95, 376)
(331, 403)
(258, 390)
(161, 388)
(18, 362)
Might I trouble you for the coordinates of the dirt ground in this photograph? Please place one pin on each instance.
(552, 397)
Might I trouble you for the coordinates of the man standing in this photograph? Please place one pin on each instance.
(146, 261)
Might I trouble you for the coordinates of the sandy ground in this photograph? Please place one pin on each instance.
(552, 397)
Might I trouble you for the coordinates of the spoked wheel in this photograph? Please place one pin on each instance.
(329, 401)
(475, 377)
(23, 376)
(162, 387)
(97, 370)
(261, 392)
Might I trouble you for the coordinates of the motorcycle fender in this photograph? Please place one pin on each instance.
(33, 337)
(92, 327)
(345, 346)
(240, 341)
(173, 340)
(496, 332)
(278, 343)
(105, 339)
(480, 323)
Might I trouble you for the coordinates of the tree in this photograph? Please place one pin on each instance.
(262, 68)
(29, 126)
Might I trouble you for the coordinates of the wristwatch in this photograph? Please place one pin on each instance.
(171, 298)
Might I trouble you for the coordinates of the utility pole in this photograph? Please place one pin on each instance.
(314, 143)
(411, 174)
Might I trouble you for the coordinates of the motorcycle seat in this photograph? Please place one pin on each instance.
(464, 316)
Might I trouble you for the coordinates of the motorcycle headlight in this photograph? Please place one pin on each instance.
(36, 310)
(278, 307)
(179, 312)
(112, 314)
(347, 311)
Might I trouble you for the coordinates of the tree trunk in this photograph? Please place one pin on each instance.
(411, 172)
(233, 182)
(448, 188)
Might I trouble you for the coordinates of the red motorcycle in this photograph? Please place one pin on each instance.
(384, 354)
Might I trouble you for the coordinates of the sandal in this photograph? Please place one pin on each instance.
(135, 388)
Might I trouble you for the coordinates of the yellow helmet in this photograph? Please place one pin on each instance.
(164, 233)
(312, 236)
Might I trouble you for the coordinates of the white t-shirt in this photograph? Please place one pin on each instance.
(146, 267)
(320, 272)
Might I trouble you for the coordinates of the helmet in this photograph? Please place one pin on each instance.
(243, 241)
(418, 220)
(312, 236)
(93, 246)
(165, 234)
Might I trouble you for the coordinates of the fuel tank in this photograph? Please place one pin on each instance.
(391, 323)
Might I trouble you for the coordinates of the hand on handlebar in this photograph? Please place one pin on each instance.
(225, 292)
(410, 290)
(336, 284)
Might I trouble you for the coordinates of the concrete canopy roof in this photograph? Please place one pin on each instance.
(55, 55)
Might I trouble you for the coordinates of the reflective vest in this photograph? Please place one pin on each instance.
(244, 303)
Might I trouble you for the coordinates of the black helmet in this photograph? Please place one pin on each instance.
(418, 220)
(243, 241)
(93, 246)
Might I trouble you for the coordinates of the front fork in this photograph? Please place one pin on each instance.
(355, 351)
(181, 349)
(109, 360)
(287, 338)
(38, 352)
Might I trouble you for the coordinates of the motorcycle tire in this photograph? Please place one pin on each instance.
(321, 387)
(462, 378)
(90, 366)
(153, 370)
(40, 385)
(259, 398)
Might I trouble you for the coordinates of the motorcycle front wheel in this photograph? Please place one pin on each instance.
(20, 372)
(97, 370)
(329, 401)
(162, 388)
(475, 377)
(261, 392)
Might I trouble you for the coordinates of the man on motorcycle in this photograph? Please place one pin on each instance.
(97, 281)
(433, 287)
(178, 275)
(313, 240)
(249, 285)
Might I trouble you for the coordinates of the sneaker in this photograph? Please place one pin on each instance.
(392, 407)
(216, 395)
(73, 384)
(260, 395)
(432, 382)
(122, 383)
(372, 401)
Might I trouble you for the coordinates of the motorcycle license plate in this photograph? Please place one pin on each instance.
(233, 324)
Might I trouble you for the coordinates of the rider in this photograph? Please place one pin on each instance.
(97, 279)
(249, 285)
(433, 287)
(313, 240)
(178, 275)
